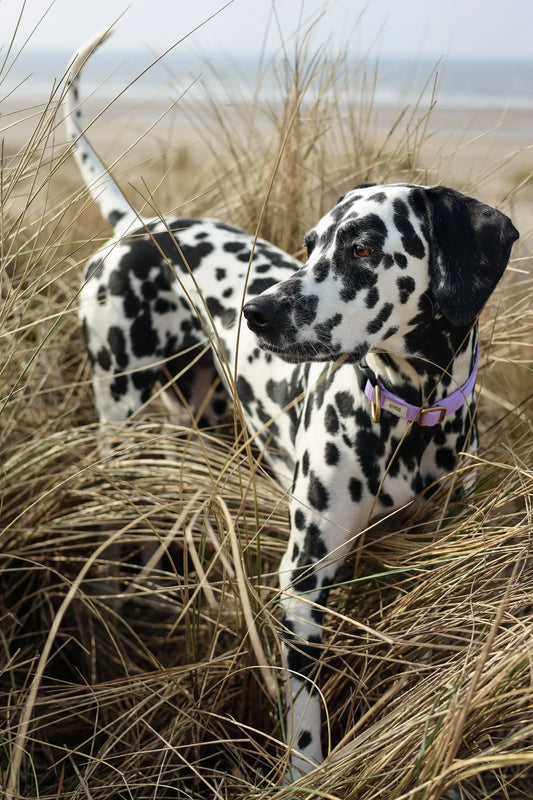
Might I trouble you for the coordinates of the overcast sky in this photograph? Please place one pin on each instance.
(432, 28)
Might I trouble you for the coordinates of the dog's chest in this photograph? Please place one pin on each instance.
(391, 460)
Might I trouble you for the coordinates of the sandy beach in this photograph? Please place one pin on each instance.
(483, 151)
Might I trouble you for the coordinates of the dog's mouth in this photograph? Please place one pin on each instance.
(293, 355)
(299, 354)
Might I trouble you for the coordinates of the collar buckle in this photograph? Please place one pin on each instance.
(375, 405)
(432, 409)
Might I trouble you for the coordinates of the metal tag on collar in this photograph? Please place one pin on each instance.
(398, 409)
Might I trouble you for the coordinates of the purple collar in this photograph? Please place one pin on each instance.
(380, 398)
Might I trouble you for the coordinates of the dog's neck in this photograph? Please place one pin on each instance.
(435, 364)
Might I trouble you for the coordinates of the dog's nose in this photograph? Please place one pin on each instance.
(260, 313)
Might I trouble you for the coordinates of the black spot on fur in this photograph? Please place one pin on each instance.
(305, 312)
(299, 519)
(411, 241)
(114, 217)
(228, 317)
(119, 386)
(278, 391)
(331, 455)
(323, 329)
(331, 420)
(131, 304)
(144, 338)
(317, 494)
(149, 290)
(355, 488)
(233, 247)
(354, 281)
(304, 739)
(304, 579)
(316, 612)
(390, 332)
(214, 306)
(370, 449)
(259, 285)
(308, 413)
(104, 359)
(140, 257)
(406, 286)
(119, 282)
(117, 344)
(345, 404)
(144, 380)
(194, 255)
(381, 319)
(401, 260)
(94, 269)
(445, 458)
(314, 543)
(162, 306)
(164, 278)
(310, 240)
(321, 270)
(362, 418)
(303, 658)
(219, 406)
(372, 298)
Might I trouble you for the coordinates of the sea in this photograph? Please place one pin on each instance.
(34, 76)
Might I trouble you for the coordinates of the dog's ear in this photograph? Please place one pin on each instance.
(470, 245)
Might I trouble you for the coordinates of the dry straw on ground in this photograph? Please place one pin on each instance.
(118, 681)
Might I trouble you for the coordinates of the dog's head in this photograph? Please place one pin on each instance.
(383, 259)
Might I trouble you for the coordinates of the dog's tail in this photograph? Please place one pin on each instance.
(112, 203)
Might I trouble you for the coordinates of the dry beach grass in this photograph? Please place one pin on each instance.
(174, 692)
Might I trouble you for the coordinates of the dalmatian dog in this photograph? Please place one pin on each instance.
(355, 372)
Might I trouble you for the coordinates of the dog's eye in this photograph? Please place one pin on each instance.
(361, 251)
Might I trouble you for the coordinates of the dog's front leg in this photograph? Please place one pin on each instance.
(324, 517)
(302, 602)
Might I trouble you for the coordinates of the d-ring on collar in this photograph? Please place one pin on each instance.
(380, 398)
